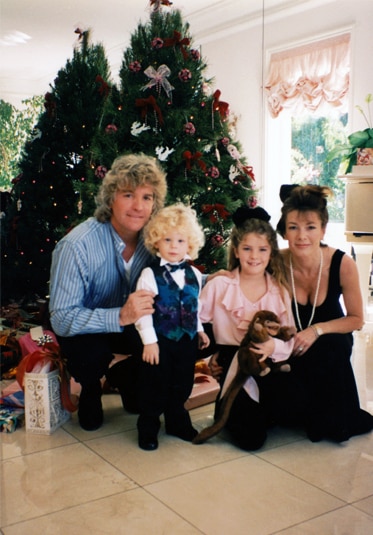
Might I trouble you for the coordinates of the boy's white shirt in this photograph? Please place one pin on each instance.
(144, 325)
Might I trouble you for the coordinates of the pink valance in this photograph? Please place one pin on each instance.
(309, 76)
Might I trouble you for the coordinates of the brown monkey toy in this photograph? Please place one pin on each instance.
(263, 325)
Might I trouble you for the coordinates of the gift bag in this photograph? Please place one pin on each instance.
(44, 379)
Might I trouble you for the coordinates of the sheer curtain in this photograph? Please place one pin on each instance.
(309, 77)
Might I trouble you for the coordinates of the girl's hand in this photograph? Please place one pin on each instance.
(203, 340)
(150, 353)
(215, 369)
(265, 349)
(220, 273)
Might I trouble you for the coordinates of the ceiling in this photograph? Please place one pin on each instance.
(37, 36)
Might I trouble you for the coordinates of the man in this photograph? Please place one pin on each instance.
(93, 302)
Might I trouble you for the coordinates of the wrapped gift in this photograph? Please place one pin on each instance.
(44, 411)
(10, 419)
(44, 379)
(205, 390)
(205, 387)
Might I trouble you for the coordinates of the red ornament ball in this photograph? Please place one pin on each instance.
(189, 129)
(157, 43)
(135, 66)
(111, 129)
(213, 172)
(101, 171)
(217, 240)
(185, 75)
(195, 54)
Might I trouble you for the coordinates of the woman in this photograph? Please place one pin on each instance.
(318, 276)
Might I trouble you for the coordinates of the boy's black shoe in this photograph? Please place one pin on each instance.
(148, 444)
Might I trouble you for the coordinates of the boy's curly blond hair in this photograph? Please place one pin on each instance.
(177, 217)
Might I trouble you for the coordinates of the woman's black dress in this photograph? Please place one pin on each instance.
(332, 408)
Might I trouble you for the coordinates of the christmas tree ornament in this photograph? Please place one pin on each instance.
(157, 43)
(189, 128)
(217, 240)
(149, 104)
(156, 5)
(137, 128)
(158, 78)
(163, 153)
(135, 66)
(213, 172)
(185, 75)
(103, 87)
(111, 129)
(101, 171)
(177, 41)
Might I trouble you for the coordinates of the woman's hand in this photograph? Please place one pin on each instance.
(304, 340)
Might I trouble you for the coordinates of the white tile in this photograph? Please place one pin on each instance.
(129, 513)
(21, 442)
(345, 521)
(242, 496)
(172, 458)
(115, 419)
(47, 481)
(344, 470)
(365, 505)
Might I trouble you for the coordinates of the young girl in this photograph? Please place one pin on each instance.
(229, 303)
(172, 335)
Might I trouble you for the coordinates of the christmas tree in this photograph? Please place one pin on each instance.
(48, 194)
(164, 107)
(167, 108)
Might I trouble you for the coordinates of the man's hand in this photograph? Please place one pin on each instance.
(138, 304)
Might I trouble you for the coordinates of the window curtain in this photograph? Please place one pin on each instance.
(309, 77)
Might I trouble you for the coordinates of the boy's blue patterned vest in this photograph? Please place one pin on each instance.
(176, 309)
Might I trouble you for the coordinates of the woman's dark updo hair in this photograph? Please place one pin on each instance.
(303, 199)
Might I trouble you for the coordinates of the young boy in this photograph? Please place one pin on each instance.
(172, 335)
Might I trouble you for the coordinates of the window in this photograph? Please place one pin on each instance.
(307, 89)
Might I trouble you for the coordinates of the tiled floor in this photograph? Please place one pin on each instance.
(76, 483)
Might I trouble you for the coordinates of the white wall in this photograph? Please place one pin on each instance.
(236, 63)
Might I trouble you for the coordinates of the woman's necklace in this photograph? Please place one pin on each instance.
(316, 293)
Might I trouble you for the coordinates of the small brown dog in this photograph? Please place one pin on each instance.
(263, 325)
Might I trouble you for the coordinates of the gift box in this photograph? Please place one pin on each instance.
(44, 411)
(205, 390)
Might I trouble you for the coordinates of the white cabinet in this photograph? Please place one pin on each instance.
(359, 225)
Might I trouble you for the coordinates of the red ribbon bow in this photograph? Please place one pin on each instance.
(190, 158)
(221, 107)
(50, 351)
(103, 87)
(145, 104)
(158, 3)
(215, 210)
(177, 41)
